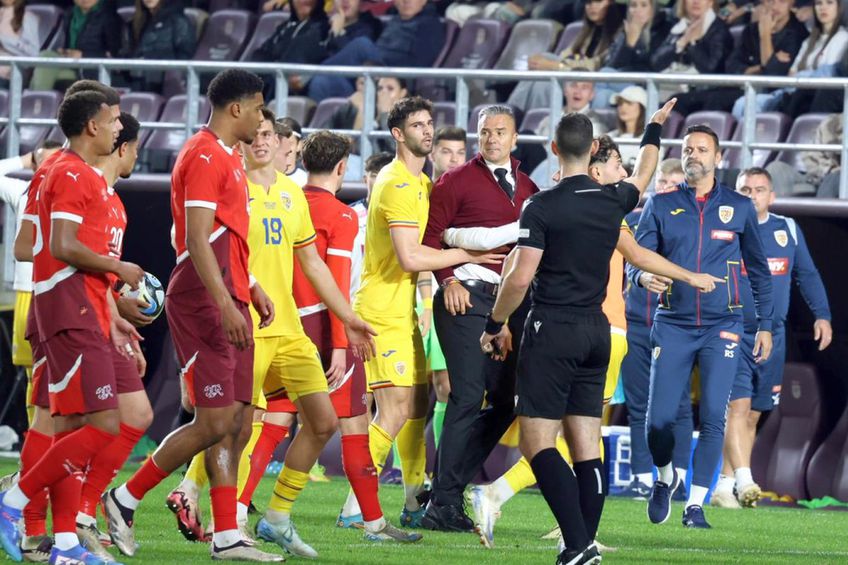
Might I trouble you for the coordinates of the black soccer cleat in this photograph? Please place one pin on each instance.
(588, 556)
(446, 518)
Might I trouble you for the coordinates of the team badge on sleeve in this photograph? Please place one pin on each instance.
(725, 214)
(781, 237)
(656, 353)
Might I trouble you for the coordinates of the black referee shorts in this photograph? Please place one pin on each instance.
(562, 363)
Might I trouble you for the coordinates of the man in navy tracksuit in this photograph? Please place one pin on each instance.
(705, 227)
(757, 388)
(640, 305)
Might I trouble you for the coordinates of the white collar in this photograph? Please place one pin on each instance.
(492, 166)
(680, 27)
(227, 148)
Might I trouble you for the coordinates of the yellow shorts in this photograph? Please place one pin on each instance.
(21, 351)
(286, 364)
(618, 350)
(400, 359)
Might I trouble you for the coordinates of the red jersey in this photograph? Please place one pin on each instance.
(208, 174)
(67, 298)
(117, 226)
(336, 226)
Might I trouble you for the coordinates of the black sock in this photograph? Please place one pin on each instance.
(592, 480)
(661, 444)
(559, 487)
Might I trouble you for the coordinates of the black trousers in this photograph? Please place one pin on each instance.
(470, 433)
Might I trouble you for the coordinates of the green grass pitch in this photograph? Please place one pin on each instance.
(761, 536)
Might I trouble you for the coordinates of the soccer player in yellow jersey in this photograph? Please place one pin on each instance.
(397, 216)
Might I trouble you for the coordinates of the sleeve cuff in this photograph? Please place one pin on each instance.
(765, 326)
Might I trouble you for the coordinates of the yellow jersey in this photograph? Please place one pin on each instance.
(399, 200)
(279, 223)
(613, 305)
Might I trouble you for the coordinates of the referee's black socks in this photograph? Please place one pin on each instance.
(560, 489)
(592, 482)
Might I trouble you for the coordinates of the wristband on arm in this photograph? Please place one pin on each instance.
(652, 135)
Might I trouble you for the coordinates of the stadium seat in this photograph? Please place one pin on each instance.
(162, 145)
(790, 436)
(444, 114)
(721, 122)
(35, 104)
(225, 36)
(475, 113)
(771, 128)
(827, 474)
(48, 20)
(300, 108)
(126, 13)
(803, 130)
(533, 118)
(671, 127)
(527, 38)
(451, 31)
(608, 115)
(569, 34)
(265, 27)
(198, 17)
(145, 106)
(325, 110)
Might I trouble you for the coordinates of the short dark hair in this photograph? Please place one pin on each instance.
(88, 85)
(323, 150)
(703, 128)
(78, 109)
(130, 130)
(292, 125)
(574, 135)
(405, 107)
(233, 85)
(757, 171)
(450, 133)
(606, 149)
(268, 114)
(377, 161)
(49, 144)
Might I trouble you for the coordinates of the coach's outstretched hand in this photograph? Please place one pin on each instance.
(661, 115)
(360, 337)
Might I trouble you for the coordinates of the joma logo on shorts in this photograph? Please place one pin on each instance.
(211, 391)
(104, 392)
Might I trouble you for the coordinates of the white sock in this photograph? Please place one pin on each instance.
(411, 502)
(65, 540)
(278, 518)
(681, 474)
(85, 519)
(241, 513)
(124, 497)
(697, 495)
(15, 498)
(189, 487)
(665, 474)
(645, 478)
(351, 505)
(226, 538)
(500, 491)
(725, 484)
(374, 526)
(743, 477)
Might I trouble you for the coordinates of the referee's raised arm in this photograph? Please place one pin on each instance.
(649, 152)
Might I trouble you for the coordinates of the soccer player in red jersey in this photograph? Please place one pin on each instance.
(207, 308)
(76, 318)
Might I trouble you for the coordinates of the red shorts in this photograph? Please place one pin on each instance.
(40, 397)
(126, 373)
(349, 398)
(216, 373)
(81, 373)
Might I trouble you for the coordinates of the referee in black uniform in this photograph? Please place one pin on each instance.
(566, 240)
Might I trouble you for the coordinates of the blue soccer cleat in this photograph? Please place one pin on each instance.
(352, 521)
(10, 535)
(76, 556)
(659, 503)
(693, 517)
(411, 518)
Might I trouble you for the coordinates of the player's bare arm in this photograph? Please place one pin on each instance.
(262, 303)
(199, 225)
(65, 247)
(647, 260)
(24, 242)
(359, 334)
(646, 163)
(414, 257)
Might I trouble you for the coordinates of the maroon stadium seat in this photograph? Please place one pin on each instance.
(325, 110)
(444, 114)
(162, 145)
(569, 34)
(265, 27)
(300, 108)
(782, 453)
(48, 20)
(527, 38)
(671, 127)
(771, 128)
(451, 31)
(721, 122)
(198, 17)
(533, 118)
(827, 474)
(35, 104)
(145, 106)
(225, 36)
(803, 130)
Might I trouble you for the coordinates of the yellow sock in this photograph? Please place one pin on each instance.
(380, 443)
(520, 476)
(197, 471)
(244, 462)
(288, 487)
(413, 459)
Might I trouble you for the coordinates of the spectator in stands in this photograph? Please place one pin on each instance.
(298, 40)
(347, 23)
(350, 116)
(831, 101)
(630, 104)
(413, 38)
(783, 35)
(158, 30)
(271, 5)
(644, 29)
(510, 12)
(18, 34)
(91, 30)
(820, 174)
(699, 43)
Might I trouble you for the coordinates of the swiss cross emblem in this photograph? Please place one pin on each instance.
(781, 238)
(725, 214)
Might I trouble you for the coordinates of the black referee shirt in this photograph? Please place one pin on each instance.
(576, 224)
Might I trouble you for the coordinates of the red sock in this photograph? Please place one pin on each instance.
(69, 454)
(224, 508)
(65, 498)
(105, 466)
(147, 477)
(272, 435)
(362, 475)
(35, 446)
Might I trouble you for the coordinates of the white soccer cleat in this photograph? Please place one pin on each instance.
(724, 499)
(486, 513)
(285, 536)
(120, 530)
(553, 534)
(246, 536)
(391, 533)
(8, 481)
(240, 551)
(749, 495)
(89, 537)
